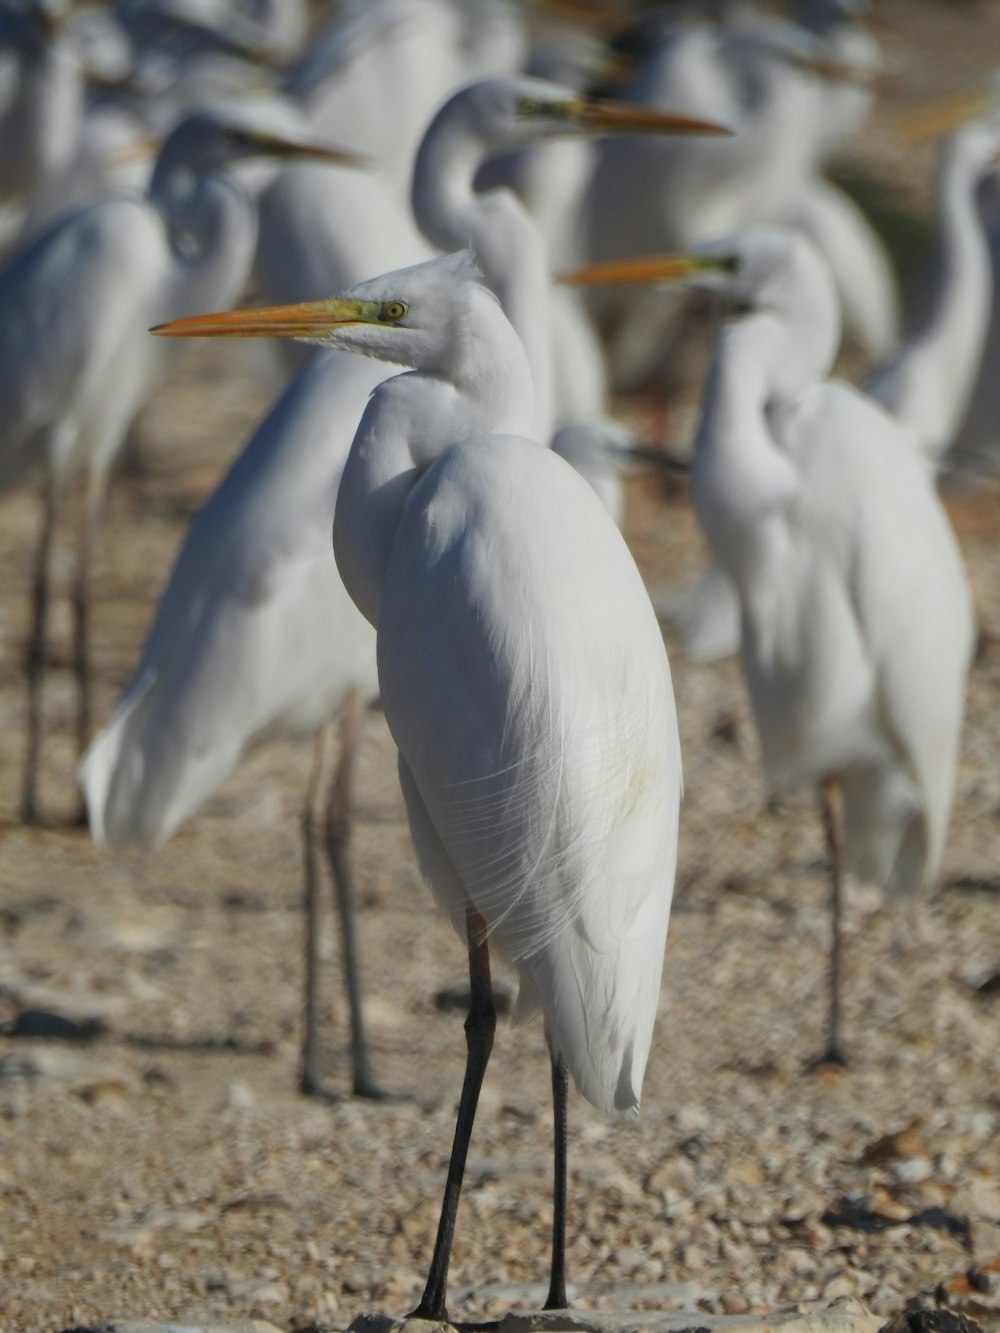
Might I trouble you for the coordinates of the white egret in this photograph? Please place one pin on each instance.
(771, 81)
(255, 638)
(976, 447)
(73, 373)
(942, 377)
(496, 115)
(927, 383)
(857, 624)
(41, 99)
(963, 290)
(525, 684)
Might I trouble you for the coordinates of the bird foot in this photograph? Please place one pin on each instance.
(312, 1086)
(370, 1090)
(433, 1313)
(832, 1058)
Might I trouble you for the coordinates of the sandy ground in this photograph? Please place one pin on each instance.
(168, 1168)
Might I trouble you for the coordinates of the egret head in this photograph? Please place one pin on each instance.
(213, 139)
(513, 112)
(764, 271)
(761, 268)
(420, 316)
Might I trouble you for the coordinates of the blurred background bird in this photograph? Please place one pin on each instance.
(856, 623)
(75, 373)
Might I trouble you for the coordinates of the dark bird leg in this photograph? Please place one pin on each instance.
(338, 835)
(328, 807)
(310, 1081)
(36, 656)
(480, 1026)
(556, 1299)
(97, 485)
(832, 805)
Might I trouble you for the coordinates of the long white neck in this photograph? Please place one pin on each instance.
(213, 234)
(740, 478)
(410, 421)
(957, 313)
(212, 225)
(929, 381)
(508, 246)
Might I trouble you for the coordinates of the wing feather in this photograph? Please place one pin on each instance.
(71, 306)
(879, 520)
(525, 682)
(254, 633)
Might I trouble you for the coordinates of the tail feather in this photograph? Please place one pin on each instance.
(100, 771)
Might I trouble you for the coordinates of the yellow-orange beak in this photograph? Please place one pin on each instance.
(311, 320)
(838, 71)
(623, 118)
(938, 118)
(278, 145)
(650, 268)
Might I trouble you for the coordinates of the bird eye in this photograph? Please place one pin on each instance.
(394, 310)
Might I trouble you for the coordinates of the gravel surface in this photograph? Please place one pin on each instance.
(155, 1159)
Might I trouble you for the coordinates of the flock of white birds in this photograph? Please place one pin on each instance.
(434, 522)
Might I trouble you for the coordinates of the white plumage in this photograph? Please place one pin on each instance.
(523, 678)
(551, 807)
(856, 617)
(75, 366)
(857, 620)
(254, 636)
(928, 383)
(524, 681)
